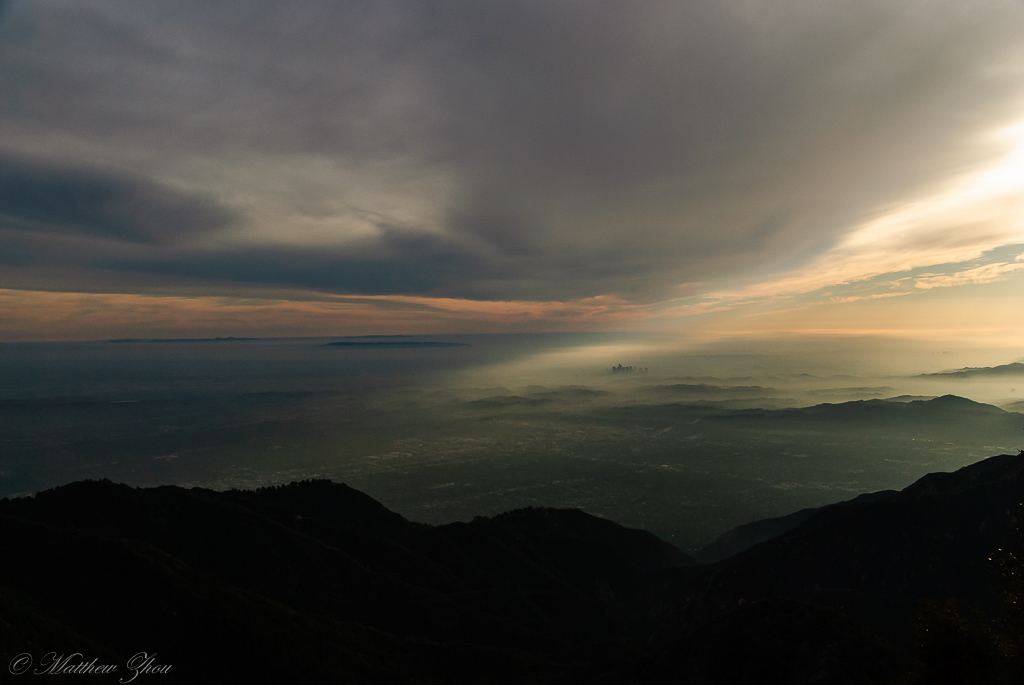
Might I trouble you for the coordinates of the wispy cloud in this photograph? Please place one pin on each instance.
(989, 273)
(959, 220)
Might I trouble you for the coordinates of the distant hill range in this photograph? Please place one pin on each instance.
(181, 340)
(393, 343)
(943, 418)
(316, 582)
(912, 411)
(1014, 369)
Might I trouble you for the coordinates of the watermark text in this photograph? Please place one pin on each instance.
(76, 663)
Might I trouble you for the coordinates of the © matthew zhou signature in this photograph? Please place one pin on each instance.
(52, 663)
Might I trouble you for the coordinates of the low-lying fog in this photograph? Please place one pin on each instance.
(686, 439)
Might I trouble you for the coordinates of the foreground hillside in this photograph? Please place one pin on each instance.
(316, 582)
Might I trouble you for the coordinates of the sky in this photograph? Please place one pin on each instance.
(729, 168)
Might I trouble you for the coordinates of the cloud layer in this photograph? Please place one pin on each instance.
(523, 150)
(41, 199)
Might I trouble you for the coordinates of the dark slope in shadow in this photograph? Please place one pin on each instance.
(317, 582)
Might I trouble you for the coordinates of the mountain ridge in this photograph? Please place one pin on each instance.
(1011, 369)
(295, 572)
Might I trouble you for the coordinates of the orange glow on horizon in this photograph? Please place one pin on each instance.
(31, 315)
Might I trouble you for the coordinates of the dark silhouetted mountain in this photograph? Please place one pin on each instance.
(933, 538)
(879, 560)
(641, 550)
(317, 582)
(321, 580)
(746, 536)
(776, 642)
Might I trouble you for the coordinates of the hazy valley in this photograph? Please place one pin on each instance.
(684, 456)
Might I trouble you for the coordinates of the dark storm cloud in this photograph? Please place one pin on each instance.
(594, 147)
(414, 266)
(395, 265)
(44, 198)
